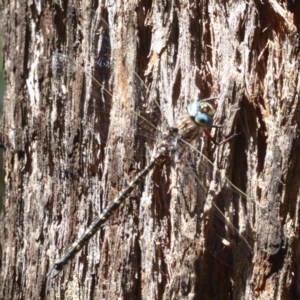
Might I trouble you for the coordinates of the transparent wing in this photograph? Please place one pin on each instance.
(214, 208)
(90, 107)
(94, 100)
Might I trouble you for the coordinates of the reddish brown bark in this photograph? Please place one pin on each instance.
(64, 164)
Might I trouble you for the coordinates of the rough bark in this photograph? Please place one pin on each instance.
(64, 164)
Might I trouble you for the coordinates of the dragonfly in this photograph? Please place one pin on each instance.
(195, 119)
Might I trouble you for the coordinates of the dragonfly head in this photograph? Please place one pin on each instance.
(202, 113)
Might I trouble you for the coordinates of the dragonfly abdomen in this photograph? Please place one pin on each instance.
(186, 128)
(159, 159)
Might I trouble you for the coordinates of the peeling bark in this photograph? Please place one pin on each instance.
(65, 164)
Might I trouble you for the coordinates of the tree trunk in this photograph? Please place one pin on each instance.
(71, 148)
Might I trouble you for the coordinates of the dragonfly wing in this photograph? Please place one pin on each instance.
(218, 206)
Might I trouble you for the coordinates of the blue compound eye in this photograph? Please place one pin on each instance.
(204, 120)
(202, 113)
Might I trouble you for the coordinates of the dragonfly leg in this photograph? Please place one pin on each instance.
(213, 139)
